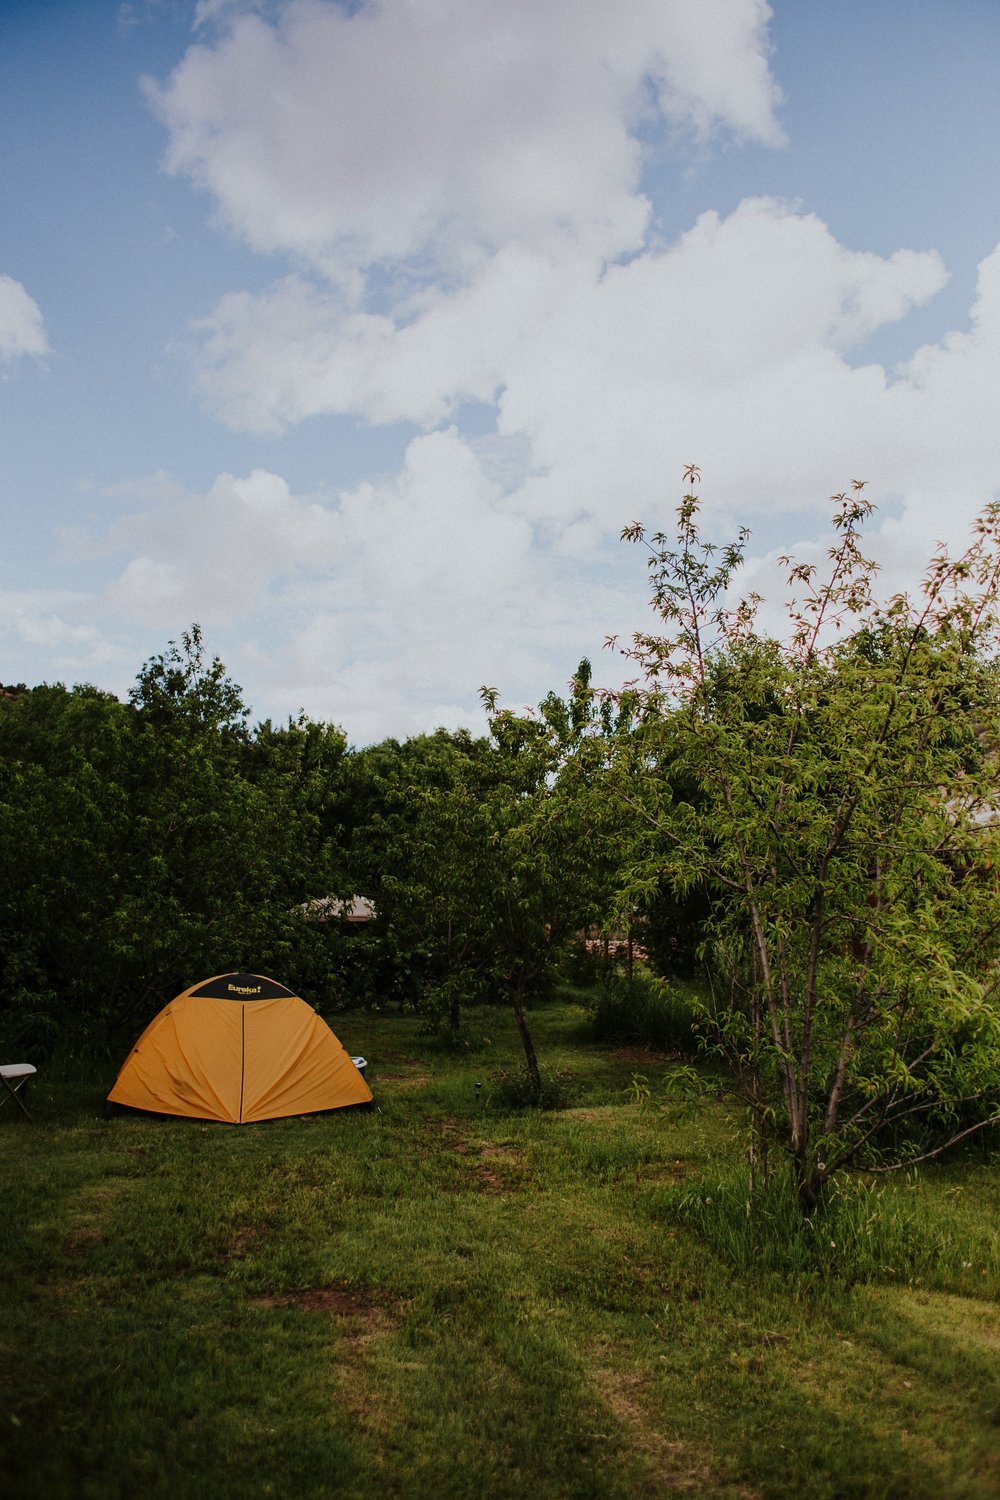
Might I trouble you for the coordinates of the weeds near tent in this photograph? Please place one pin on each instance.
(448, 1300)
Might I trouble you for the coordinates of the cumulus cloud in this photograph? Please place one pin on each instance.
(54, 636)
(733, 345)
(386, 607)
(216, 557)
(38, 616)
(458, 184)
(22, 329)
(731, 348)
(421, 137)
(457, 192)
(270, 360)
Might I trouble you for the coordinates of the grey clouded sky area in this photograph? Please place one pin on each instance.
(357, 332)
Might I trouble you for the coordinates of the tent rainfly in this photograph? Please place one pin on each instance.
(238, 1048)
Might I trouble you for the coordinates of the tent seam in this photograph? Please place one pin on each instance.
(243, 1056)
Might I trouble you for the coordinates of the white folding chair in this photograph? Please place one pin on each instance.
(15, 1076)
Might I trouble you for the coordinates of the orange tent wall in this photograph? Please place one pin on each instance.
(293, 1061)
(238, 1061)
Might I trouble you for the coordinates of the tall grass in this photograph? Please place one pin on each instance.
(868, 1232)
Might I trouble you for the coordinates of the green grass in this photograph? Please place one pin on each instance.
(450, 1299)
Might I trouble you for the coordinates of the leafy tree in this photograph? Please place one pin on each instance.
(844, 815)
(233, 831)
(199, 856)
(407, 852)
(545, 852)
(180, 688)
(298, 773)
(64, 819)
(146, 843)
(482, 857)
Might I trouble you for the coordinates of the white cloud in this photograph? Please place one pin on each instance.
(417, 136)
(22, 329)
(731, 346)
(385, 608)
(216, 557)
(56, 638)
(338, 581)
(35, 615)
(271, 360)
(214, 12)
(456, 187)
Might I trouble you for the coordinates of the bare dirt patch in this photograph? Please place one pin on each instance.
(316, 1299)
(80, 1239)
(491, 1182)
(246, 1240)
(369, 1306)
(404, 1072)
(501, 1169)
(488, 1166)
(641, 1055)
(405, 1080)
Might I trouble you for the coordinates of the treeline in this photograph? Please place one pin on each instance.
(146, 842)
(151, 842)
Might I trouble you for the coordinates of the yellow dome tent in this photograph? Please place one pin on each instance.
(239, 1047)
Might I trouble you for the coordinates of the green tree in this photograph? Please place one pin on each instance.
(483, 856)
(198, 859)
(64, 820)
(232, 831)
(408, 852)
(845, 814)
(149, 842)
(546, 853)
(298, 775)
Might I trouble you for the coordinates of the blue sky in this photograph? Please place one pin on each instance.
(357, 333)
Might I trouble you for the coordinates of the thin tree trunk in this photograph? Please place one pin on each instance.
(809, 1184)
(517, 1005)
(756, 1159)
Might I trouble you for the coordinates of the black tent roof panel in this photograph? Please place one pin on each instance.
(241, 987)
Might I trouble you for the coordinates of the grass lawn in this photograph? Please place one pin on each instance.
(441, 1300)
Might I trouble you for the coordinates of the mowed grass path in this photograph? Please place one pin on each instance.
(441, 1301)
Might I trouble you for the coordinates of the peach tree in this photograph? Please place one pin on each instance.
(835, 791)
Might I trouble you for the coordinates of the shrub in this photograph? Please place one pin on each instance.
(646, 1011)
(515, 1088)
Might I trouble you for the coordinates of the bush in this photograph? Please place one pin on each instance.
(645, 1011)
(514, 1088)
